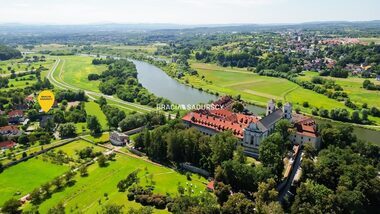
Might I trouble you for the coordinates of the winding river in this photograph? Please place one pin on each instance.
(161, 84)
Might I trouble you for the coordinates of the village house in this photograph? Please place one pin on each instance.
(118, 138)
(7, 145)
(252, 130)
(16, 116)
(10, 131)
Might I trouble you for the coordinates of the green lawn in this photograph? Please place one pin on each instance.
(354, 88)
(101, 139)
(75, 70)
(24, 177)
(71, 148)
(93, 109)
(85, 195)
(252, 87)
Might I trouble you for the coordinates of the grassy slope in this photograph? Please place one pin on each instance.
(26, 176)
(84, 196)
(77, 68)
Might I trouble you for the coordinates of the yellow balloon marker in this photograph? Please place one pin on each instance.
(46, 100)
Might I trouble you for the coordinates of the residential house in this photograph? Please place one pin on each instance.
(10, 131)
(118, 138)
(7, 144)
(16, 116)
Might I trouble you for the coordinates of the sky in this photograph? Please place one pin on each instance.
(186, 11)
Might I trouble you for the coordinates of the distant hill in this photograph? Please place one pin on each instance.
(143, 27)
(9, 53)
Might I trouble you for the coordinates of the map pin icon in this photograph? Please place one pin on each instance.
(46, 100)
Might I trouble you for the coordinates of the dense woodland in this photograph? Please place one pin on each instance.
(9, 53)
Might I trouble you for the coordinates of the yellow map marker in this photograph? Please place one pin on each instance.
(46, 100)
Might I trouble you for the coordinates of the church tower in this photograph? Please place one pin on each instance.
(271, 107)
(287, 109)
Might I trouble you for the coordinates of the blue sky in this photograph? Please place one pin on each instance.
(186, 11)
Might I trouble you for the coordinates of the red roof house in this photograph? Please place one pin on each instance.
(7, 144)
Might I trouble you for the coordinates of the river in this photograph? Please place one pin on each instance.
(159, 83)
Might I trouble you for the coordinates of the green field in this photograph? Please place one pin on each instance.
(93, 109)
(253, 88)
(22, 178)
(85, 195)
(354, 88)
(71, 148)
(75, 69)
(18, 65)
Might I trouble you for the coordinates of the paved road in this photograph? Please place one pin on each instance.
(296, 165)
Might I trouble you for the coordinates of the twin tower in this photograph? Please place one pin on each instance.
(286, 109)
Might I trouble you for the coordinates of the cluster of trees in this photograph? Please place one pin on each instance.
(367, 84)
(7, 52)
(344, 115)
(67, 130)
(120, 79)
(113, 114)
(342, 177)
(70, 96)
(146, 197)
(100, 61)
(148, 120)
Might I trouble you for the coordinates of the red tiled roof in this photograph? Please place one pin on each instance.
(9, 128)
(221, 120)
(307, 128)
(7, 144)
(210, 185)
(16, 113)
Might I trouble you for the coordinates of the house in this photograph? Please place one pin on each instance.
(118, 139)
(305, 131)
(7, 144)
(10, 131)
(16, 116)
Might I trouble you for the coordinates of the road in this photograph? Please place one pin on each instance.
(60, 83)
(296, 165)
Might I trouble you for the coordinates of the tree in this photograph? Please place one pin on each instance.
(57, 182)
(355, 116)
(283, 127)
(67, 130)
(83, 171)
(12, 206)
(142, 210)
(239, 155)
(313, 198)
(94, 125)
(112, 209)
(238, 204)
(58, 209)
(222, 146)
(222, 192)
(270, 153)
(102, 161)
(265, 195)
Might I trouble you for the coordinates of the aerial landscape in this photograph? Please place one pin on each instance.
(189, 106)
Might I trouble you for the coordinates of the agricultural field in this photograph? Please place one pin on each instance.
(252, 88)
(354, 88)
(83, 197)
(18, 65)
(368, 40)
(93, 109)
(22, 178)
(75, 69)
